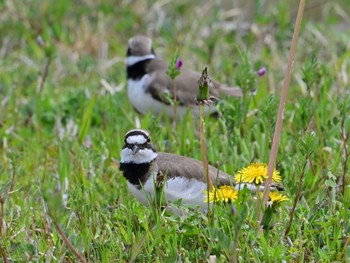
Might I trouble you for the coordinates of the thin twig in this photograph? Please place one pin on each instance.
(312, 167)
(235, 244)
(296, 199)
(346, 245)
(345, 139)
(2, 251)
(3, 255)
(175, 106)
(69, 244)
(45, 74)
(278, 127)
(2, 214)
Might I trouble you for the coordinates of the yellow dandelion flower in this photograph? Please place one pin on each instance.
(275, 197)
(224, 193)
(256, 173)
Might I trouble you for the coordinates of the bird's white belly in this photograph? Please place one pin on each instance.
(144, 102)
(141, 100)
(142, 195)
(189, 191)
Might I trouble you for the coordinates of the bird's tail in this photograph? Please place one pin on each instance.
(231, 91)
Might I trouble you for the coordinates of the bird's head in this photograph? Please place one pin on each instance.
(139, 49)
(138, 147)
(139, 46)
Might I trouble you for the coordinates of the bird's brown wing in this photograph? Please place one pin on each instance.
(175, 165)
(187, 82)
(161, 87)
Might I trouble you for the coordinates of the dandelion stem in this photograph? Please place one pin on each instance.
(286, 82)
(204, 83)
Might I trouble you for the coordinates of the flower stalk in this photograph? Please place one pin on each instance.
(174, 71)
(204, 83)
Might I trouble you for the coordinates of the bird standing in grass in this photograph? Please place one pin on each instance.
(150, 88)
(181, 177)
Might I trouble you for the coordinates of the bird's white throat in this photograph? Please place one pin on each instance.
(142, 156)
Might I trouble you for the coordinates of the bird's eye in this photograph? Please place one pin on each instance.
(148, 140)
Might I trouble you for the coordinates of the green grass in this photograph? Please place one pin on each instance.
(60, 142)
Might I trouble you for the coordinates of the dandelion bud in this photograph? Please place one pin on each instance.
(204, 84)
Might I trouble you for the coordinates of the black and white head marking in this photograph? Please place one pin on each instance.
(139, 49)
(138, 148)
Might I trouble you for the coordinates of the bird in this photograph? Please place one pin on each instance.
(149, 87)
(182, 178)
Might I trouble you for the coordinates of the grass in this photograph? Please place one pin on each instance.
(64, 113)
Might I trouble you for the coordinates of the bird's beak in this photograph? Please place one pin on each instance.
(135, 149)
